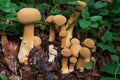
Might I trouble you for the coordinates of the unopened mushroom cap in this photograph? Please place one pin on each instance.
(75, 49)
(89, 43)
(93, 49)
(49, 19)
(85, 52)
(28, 15)
(63, 33)
(82, 4)
(66, 52)
(37, 41)
(73, 59)
(75, 41)
(59, 20)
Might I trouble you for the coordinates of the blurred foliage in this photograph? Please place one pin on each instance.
(100, 21)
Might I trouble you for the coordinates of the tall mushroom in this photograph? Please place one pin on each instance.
(60, 21)
(27, 16)
(72, 21)
(49, 20)
(64, 63)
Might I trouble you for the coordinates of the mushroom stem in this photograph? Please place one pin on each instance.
(52, 33)
(71, 22)
(64, 64)
(3, 37)
(72, 63)
(28, 35)
(63, 42)
(70, 26)
(80, 64)
(27, 42)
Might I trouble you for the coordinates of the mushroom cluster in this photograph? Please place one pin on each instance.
(77, 55)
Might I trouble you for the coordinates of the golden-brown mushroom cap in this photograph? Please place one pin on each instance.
(66, 52)
(89, 43)
(93, 49)
(28, 15)
(75, 49)
(49, 19)
(73, 59)
(75, 41)
(59, 20)
(37, 41)
(63, 33)
(85, 52)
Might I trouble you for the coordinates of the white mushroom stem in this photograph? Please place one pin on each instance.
(52, 33)
(52, 53)
(27, 42)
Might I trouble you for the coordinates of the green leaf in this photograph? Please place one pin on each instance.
(95, 18)
(5, 3)
(85, 14)
(59, 1)
(88, 65)
(107, 36)
(84, 23)
(56, 11)
(104, 12)
(100, 4)
(3, 77)
(109, 47)
(111, 69)
(95, 25)
(108, 78)
(115, 58)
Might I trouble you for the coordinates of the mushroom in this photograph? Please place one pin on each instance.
(60, 21)
(72, 63)
(75, 47)
(66, 53)
(49, 20)
(85, 53)
(88, 42)
(85, 56)
(27, 16)
(93, 49)
(52, 53)
(72, 21)
(92, 59)
(37, 41)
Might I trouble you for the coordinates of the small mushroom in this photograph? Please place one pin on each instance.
(72, 21)
(75, 47)
(85, 53)
(88, 42)
(92, 59)
(60, 21)
(93, 49)
(52, 53)
(72, 63)
(37, 41)
(49, 20)
(66, 53)
(27, 16)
